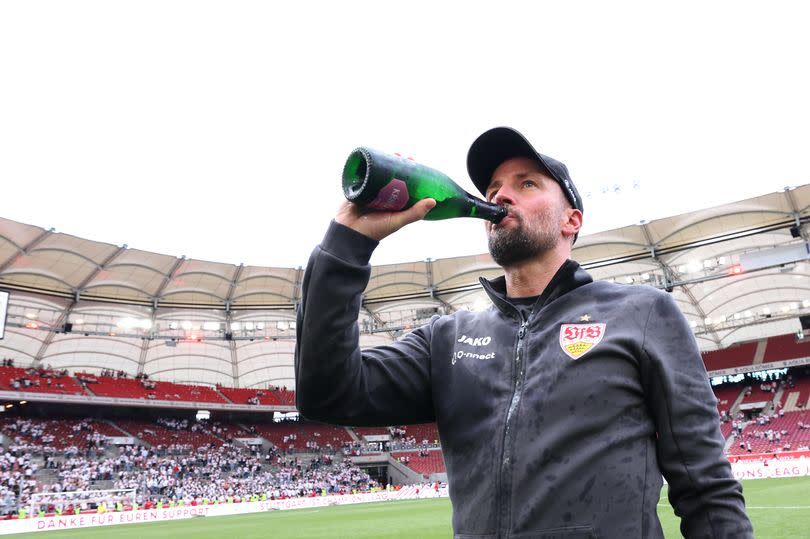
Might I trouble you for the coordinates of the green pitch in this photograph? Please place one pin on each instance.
(779, 508)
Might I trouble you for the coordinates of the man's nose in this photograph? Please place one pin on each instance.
(503, 196)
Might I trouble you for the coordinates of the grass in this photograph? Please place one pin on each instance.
(779, 509)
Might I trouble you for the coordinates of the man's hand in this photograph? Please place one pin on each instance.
(379, 224)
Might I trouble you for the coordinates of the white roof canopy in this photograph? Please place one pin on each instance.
(739, 272)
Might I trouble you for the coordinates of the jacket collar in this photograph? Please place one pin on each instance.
(568, 277)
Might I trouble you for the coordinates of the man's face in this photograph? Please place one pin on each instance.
(537, 211)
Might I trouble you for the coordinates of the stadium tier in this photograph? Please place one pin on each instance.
(106, 386)
(797, 398)
(786, 433)
(56, 433)
(229, 431)
(38, 381)
(726, 396)
(759, 394)
(786, 347)
(286, 397)
(371, 431)
(426, 462)
(240, 395)
(68, 462)
(170, 433)
(735, 356)
(423, 433)
(189, 393)
(113, 386)
(303, 435)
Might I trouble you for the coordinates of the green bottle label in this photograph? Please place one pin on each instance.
(392, 197)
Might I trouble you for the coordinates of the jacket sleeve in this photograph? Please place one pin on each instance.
(702, 489)
(335, 381)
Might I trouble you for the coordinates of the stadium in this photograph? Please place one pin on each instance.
(145, 389)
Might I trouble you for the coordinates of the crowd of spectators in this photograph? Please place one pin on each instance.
(17, 469)
(112, 373)
(168, 474)
(773, 436)
(411, 443)
(36, 377)
(223, 474)
(89, 441)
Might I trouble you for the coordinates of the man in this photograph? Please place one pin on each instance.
(560, 406)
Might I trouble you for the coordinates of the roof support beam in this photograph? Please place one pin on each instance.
(432, 287)
(24, 250)
(379, 322)
(65, 314)
(797, 216)
(228, 318)
(167, 278)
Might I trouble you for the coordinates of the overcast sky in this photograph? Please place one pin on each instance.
(218, 130)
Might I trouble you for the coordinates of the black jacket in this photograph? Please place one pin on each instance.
(558, 425)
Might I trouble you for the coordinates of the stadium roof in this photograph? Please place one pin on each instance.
(739, 272)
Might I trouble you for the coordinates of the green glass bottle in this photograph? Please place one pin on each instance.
(385, 182)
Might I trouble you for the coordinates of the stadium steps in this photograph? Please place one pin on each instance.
(791, 401)
(86, 387)
(410, 476)
(122, 431)
(732, 438)
(266, 444)
(46, 476)
(138, 441)
(221, 394)
(353, 434)
(772, 406)
(735, 407)
(102, 484)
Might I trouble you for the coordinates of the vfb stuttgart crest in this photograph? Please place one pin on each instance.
(577, 339)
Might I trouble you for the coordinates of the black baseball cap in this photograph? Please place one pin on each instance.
(501, 143)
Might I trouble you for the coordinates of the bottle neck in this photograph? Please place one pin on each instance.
(487, 210)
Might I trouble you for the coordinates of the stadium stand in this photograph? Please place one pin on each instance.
(423, 433)
(106, 386)
(38, 381)
(785, 347)
(285, 397)
(162, 476)
(777, 434)
(304, 436)
(425, 462)
(169, 433)
(763, 392)
(241, 395)
(228, 431)
(727, 358)
(371, 431)
(726, 396)
(796, 398)
(122, 387)
(58, 434)
(188, 393)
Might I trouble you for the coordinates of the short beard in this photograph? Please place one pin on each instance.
(510, 247)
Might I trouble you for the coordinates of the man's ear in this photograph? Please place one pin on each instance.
(573, 222)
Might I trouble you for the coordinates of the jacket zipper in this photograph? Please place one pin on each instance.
(505, 491)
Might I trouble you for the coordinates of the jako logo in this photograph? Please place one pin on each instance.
(477, 341)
